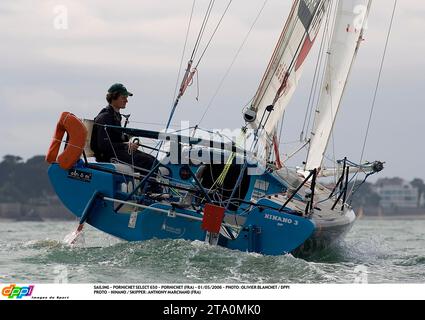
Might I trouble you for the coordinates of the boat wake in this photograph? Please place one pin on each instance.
(75, 239)
(41, 244)
(108, 260)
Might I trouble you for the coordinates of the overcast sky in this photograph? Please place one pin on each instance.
(63, 55)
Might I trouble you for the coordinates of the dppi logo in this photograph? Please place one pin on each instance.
(13, 291)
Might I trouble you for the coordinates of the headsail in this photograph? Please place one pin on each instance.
(346, 38)
(284, 69)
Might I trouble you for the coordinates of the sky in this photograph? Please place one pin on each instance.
(63, 56)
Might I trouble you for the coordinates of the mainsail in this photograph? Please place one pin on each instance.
(347, 35)
(285, 67)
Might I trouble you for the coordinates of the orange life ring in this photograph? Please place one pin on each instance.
(77, 134)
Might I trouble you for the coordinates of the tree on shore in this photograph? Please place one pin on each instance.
(22, 181)
(365, 196)
(420, 186)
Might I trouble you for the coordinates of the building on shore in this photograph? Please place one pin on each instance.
(397, 193)
(397, 197)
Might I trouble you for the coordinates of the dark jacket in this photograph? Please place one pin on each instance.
(104, 141)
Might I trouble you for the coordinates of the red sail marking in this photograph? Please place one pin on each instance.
(276, 152)
(308, 44)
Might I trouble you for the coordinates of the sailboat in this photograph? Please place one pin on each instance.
(248, 200)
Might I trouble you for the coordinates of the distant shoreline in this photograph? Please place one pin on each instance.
(393, 217)
(389, 217)
(2, 219)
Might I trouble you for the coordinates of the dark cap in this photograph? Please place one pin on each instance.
(119, 87)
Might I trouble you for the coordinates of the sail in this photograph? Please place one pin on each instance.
(346, 38)
(285, 67)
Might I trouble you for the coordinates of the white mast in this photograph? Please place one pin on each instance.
(346, 39)
(284, 70)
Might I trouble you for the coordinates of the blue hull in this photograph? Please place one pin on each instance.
(264, 230)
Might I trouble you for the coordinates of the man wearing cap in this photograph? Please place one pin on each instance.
(108, 143)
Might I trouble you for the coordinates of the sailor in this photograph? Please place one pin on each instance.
(110, 143)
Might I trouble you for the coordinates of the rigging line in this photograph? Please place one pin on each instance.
(189, 74)
(246, 105)
(289, 142)
(176, 100)
(202, 29)
(281, 127)
(184, 50)
(259, 94)
(156, 123)
(326, 157)
(280, 92)
(212, 36)
(316, 81)
(131, 152)
(361, 183)
(360, 39)
(303, 134)
(233, 62)
(330, 92)
(298, 50)
(277, 143)
(113, 149)
(309, 104)
(314, 94)
(337, 193)
(295, 152)
(378, 82)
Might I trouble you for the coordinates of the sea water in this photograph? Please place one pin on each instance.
(379, 250)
